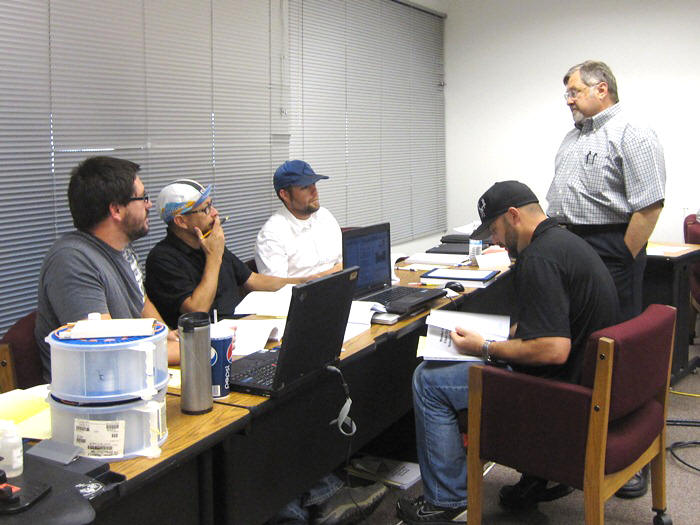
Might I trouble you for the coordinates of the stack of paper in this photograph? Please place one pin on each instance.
(437, 345)
(401, 474)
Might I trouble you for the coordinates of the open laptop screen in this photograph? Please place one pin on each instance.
(370, 249)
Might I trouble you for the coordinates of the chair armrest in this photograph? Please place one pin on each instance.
(535, 425)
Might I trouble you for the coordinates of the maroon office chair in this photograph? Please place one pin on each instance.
(593, 436)
(691, 234)
(20, 364)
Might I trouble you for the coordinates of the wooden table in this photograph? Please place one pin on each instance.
(178, 486)
(290, 444)
(666, 281)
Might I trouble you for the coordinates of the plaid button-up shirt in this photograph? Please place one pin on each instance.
(606, 170)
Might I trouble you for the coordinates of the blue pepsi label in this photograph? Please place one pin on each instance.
(221, 359)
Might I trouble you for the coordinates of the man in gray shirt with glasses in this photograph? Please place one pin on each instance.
(95, 269)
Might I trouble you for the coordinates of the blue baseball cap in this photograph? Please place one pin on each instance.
(181, 196)
(295, 173)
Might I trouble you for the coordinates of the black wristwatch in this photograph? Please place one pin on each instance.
(485, 351)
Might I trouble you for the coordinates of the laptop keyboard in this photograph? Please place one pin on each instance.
(392, 294)
(261, 370)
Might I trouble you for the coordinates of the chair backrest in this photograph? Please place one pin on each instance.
(691, 234)
(642, 350)
(24, 352)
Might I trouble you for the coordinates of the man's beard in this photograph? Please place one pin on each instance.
(511, 242)
(311, 208)
(136, 231)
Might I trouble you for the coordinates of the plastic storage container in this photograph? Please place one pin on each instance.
(110, 369)
(11, 451)
(112, 432)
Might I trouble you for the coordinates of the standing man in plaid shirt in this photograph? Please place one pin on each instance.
(608, 188)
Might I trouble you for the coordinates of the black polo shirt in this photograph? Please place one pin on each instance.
(174, 270)
(563, 290)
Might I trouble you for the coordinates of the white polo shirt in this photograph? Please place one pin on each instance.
(291, 247)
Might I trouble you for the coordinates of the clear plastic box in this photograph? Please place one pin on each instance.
(105, 370)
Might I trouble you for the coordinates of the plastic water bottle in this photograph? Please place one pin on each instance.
(12, 461)
(474, 248)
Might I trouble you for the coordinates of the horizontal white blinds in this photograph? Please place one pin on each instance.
(26, 186)
(221, 91)
(181, 87)
(367, 109)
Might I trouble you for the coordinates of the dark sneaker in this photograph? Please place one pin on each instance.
(417, 511)
(350, 505)
(636, 487)
(529, 491)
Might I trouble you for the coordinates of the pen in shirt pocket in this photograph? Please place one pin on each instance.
(222, 222)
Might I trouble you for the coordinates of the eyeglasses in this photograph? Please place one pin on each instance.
(206, 210)
(145, 198)
(575, 93)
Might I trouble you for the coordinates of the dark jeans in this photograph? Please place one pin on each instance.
(626, 271)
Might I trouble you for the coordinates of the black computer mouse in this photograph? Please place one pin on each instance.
(454, 286)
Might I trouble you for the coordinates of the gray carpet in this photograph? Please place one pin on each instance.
(683, 484)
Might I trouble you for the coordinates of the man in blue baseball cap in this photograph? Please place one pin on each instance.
(301, 238)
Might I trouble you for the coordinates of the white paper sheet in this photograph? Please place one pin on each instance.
(274, 304)
(493, 260)
(438, 343)
(252, 334)
(89, 328)
(448, 259)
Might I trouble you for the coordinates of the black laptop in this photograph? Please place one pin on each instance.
(313, 338)
(370, 249)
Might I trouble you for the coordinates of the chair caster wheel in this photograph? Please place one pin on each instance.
(662, 519)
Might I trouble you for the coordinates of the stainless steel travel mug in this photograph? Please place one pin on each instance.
(195, 362)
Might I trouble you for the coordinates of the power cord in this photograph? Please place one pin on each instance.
(347, 427)
(344, 422)
(683, 444)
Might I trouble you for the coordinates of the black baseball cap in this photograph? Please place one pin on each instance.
(496, 201)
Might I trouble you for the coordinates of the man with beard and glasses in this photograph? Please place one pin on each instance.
(565, 293)
(95, 269)
(301, 238)
(608, 188)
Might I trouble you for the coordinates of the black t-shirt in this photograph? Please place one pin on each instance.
(564, 290)
(174, 270)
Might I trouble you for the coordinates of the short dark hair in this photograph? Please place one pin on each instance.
(96, 183)
(592, 72)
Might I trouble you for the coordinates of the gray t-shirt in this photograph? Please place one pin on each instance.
(81, 274)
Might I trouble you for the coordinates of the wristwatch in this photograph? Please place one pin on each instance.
(485, 351)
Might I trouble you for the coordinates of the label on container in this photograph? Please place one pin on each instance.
(99, 438)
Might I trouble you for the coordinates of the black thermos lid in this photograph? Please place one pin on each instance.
(191, 320)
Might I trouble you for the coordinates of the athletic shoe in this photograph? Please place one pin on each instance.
(417, 511)
(350, 505)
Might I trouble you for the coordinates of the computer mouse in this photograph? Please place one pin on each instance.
(454, 286)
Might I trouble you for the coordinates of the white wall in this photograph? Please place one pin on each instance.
(505, 113)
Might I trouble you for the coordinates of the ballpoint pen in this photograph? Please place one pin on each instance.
(222, 222)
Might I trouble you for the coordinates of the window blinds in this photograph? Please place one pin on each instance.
(221, 91)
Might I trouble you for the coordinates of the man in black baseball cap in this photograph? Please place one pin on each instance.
(496, 201)
(564, 293)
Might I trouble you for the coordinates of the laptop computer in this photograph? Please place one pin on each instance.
(313, 338)
(370, 249)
